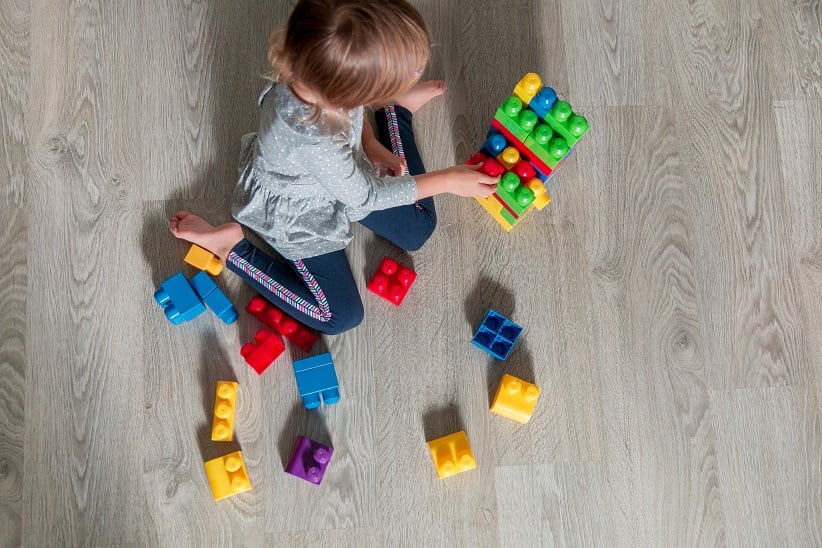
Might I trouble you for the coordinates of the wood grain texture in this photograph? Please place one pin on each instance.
(82, 465)
(205, 76)
(13, 323)
(669, 293)
(14, 90)
(769, 461)
(555, 505)
(639, 239)
(747, 273)
(794, 48)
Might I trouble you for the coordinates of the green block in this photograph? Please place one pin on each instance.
(547, 146)
(511, 191)
(505, 214)
(565, 123)
(517, 118)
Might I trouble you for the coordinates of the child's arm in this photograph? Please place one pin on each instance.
(378, 155)
(462, 180)
(459, 180)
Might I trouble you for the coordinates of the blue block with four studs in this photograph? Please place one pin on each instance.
(497, 335)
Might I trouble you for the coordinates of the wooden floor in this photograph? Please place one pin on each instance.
(671, 293)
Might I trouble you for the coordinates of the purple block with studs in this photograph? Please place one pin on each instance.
(309, 460)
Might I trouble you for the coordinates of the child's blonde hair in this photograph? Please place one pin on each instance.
(351, 52)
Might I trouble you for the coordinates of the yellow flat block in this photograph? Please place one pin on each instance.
(492, 206)
(204, 260)
(452, 454)
(227, 475)
(225, 403)
(515, 399)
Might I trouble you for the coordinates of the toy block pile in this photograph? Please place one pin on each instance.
(531, 135)
(183, 299)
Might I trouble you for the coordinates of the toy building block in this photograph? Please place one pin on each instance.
(541, 198)
(225, 403)
(309, 460)
(515, 399)
(497, 335)
(516, 118)
(227, 475)
(547, 146)
(204, 260)
(214, 297)
(566, 123)
(498, 212)
(452, 454)
(392, 281)
(282, 323)
(528, 87)
(316, 378)
(494, 144)
(178, 299)
(543, 101)
(262, 352)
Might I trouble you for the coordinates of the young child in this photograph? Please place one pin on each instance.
(315, 165)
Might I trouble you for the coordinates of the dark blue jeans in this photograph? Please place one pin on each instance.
(320, 291)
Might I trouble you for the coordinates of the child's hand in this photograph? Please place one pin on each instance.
(469, 181)
(384, 162)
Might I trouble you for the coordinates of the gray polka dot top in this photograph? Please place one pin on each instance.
(302, 183)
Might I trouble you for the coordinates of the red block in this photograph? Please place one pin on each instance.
(263, 351)
(392, 281)
(282, 323)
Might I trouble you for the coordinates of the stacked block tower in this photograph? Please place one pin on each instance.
(531, 135)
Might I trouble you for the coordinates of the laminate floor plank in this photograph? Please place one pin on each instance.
(770, 462)
(13, 329)
(81, 477)
(15, 23)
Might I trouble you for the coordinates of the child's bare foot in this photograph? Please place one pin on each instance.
(217, 239)
(420, 94)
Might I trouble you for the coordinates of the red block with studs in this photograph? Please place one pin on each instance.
(392, 281)
(262, 352)
(282, 323)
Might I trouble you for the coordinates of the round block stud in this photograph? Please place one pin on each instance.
(577, 125)
(561, 111)
(528, 120)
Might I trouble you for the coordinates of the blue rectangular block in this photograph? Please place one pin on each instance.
(316, 379)
(214, 297)
(497, 335)
(178, 300)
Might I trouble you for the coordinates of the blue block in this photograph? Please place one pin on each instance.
(316, 378)
(497, 335)
(494, 144)
(543, 101)
(214, 297)
(178, 299)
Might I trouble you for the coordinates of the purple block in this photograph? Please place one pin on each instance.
(309, 460)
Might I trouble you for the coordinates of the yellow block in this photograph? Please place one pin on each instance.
(528, 87)
(541, 198)
(452, 454)
(204, 260)
(227, 475)
(515, 399)
(224, 405)
(493, 207)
